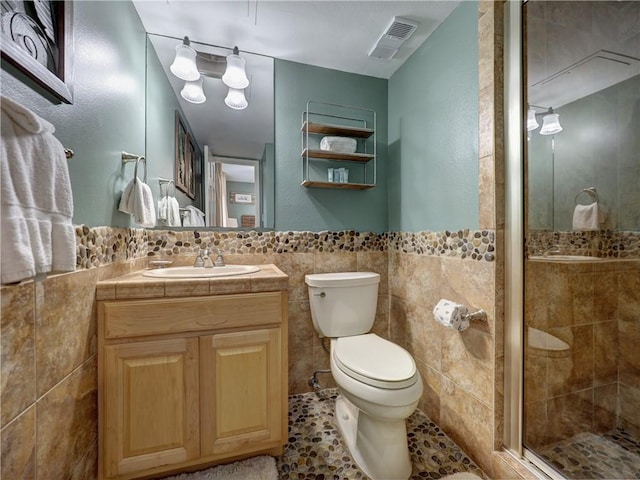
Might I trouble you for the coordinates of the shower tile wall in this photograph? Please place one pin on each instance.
(594, 385)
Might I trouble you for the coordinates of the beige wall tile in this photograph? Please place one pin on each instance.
(629, 340)
(605, 353)
(398, 321)
(186, 288)
(630, 405)
(301, 331)
(87, 466)
(375, 262)
(535, 424)
(430, 400)
(301, 367)
(569, 415)
(467, 359)
(573, 372)
(335, 262)
(381, 323)
(296, 266)
(67, 422)
(65, 325)
(605, 400)
(17, 360)
(18, 447)
(469, 422)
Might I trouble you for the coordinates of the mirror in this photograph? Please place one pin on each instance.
(230, 169)
(594, 87)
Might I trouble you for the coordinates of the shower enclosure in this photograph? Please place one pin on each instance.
(580, 324)
(582, 311)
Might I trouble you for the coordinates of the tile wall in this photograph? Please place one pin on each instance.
(594, 386)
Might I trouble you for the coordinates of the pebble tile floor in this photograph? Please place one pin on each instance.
(315, 449)
(614, 455)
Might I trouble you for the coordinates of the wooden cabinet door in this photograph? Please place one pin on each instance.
(151, 405)
(241, 390)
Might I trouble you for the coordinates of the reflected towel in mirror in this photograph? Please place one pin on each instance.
(588, 217)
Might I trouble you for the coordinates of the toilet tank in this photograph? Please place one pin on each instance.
(343, 304)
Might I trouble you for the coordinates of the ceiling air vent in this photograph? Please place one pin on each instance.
(394, 36)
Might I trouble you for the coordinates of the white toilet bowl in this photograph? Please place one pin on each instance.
(371, 418)
(378, 380)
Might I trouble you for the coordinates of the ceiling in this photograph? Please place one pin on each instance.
(330, 34)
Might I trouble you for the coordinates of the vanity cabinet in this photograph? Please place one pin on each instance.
(324, 119)
(190, 381)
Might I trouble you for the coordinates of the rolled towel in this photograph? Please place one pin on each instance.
(587, 217)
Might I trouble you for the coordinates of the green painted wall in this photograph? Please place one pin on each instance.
(433, 130)
(107, 114)
(268, 173)
(160, 129)
(598, 147)
(316, 209)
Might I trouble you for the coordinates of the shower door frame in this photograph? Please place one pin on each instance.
(515, 221)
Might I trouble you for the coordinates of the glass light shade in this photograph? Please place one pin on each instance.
(184, 65)
(532, 123)
(192, 92)
(235, 99)
(235, 76)
(550, 124)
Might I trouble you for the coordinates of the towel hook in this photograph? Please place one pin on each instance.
(130, 157)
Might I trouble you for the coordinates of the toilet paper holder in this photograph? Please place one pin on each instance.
(479, 315)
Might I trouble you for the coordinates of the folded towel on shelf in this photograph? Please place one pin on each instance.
(339, 144)
(194, 217)
(36, 208)
(588, 217)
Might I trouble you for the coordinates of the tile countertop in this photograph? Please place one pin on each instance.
(133, 285)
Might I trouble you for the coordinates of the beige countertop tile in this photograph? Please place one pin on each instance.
(135, 285)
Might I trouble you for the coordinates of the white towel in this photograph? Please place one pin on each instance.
(173, 212)
(137, 200)
(162, 209)
(587, 217)
(36, 199)
(194, 217)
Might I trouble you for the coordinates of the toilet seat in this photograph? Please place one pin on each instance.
(375, 361)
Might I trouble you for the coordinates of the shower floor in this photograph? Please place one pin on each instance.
(613, 455)
(315, 449)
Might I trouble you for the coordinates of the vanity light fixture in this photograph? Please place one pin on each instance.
(184, 65)
(235, 75)
(192, 92)
(550, 123)
(235, 99)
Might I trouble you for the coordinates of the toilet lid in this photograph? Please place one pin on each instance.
(375, 361)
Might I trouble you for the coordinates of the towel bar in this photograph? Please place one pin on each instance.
(132, 157)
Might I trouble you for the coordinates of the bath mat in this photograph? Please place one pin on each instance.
(256, 468)
(462, 476)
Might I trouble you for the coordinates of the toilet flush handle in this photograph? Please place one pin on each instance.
(321, 294)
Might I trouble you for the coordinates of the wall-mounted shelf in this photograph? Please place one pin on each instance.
(320, 119)
(340, 186)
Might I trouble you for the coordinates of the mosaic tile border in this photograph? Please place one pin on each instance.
(465, 244)
(597, 243)
(96, 246)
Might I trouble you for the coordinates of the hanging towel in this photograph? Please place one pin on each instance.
(173, 212)
(162, 209)
(36, 199)
(194, 217)
(137, 200)
(587, 217)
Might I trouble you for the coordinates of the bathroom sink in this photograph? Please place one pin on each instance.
(565, 258)
(200, 272)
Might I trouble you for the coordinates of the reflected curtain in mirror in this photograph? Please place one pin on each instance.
(220, 188)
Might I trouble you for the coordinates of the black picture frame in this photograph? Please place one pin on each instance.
(185, 156)
(37, 39)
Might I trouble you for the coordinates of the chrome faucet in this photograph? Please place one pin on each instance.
(208, 263)
(220, 259)
(550, 249)
(199, 261)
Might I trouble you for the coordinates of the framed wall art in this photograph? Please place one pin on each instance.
(186, 154)
(37, 39)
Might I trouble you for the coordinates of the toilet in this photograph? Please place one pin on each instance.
(378, 382)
